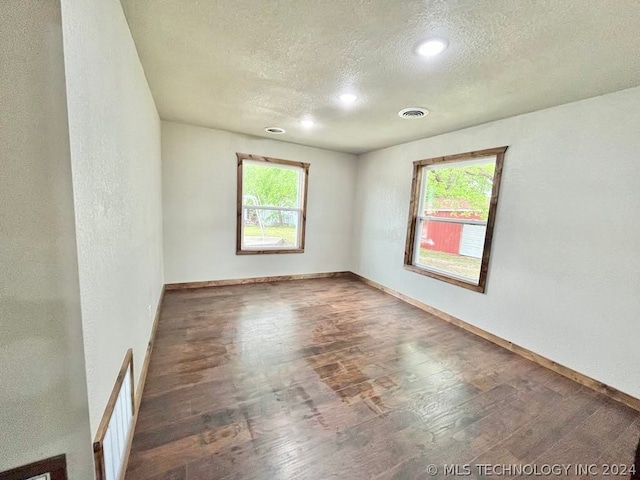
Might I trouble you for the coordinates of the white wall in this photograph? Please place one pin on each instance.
(565, 265)
(199, 170)
(43, 393)
(115, 152)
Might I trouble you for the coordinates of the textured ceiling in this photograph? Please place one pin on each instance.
(246, 64)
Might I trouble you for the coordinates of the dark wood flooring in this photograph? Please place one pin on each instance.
(331, 379)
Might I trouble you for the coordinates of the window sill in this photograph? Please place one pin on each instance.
(454, 281)
(270, 250)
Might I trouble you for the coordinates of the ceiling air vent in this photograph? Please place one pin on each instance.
(412, 113)
(275, 130)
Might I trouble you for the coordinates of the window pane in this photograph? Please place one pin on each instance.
(453, 249)
(265, 228)
(462, 191)
(269, 185)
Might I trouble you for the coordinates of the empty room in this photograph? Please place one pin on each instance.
(330, 239)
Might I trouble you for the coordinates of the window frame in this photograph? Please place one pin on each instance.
(302, 210)
(414, 218)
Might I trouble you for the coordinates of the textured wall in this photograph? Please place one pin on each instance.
(115, 151)
(43, 394)
(199, 169)
(557, 284)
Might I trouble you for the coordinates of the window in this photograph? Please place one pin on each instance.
(272, 199)
(451, 216)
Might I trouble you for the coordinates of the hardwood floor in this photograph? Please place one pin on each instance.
(329, 378)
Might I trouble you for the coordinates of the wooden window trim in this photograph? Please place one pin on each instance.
(303, 208)
(415, 203)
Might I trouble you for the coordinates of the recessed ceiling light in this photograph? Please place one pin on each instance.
(347, 98)
(413, 113)
(307, 123)
(432, 47)
(275, 130)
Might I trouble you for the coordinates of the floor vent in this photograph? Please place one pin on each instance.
(113, 439)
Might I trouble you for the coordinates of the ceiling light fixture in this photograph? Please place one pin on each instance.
(275, 130)
(347, 98)
(432, 47)
(307, 122)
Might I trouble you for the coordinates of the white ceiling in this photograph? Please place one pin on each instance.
(246, 64)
